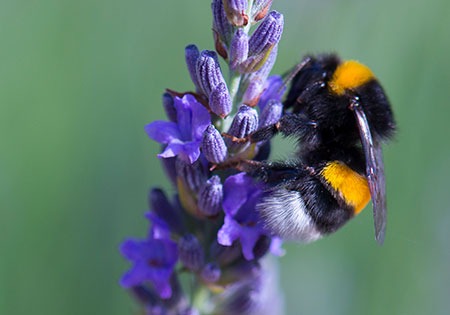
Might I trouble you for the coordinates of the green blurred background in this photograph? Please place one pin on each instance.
(80, 79)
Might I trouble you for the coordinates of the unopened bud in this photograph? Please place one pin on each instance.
(260, 9)
(271, 113)
(210, 197)
(267, 34)
(190, 252)
(210, 273)
(238, 49)
(191, 54)
(220, 100)
(236, 11)
(213, 145)
(208, 72)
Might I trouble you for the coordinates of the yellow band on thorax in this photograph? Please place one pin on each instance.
(349, 75)
(353, 187)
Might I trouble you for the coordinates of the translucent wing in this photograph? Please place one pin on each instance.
(374, 172)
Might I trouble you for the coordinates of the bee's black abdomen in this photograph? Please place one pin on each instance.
(323, 208)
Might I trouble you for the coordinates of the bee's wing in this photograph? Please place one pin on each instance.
(375, 173)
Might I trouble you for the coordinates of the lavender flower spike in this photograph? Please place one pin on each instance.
(183, 137)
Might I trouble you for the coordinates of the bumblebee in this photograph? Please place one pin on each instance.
(340, 115)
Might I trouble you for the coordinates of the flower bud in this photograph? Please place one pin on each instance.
(210, 197)
(213, 146)
(168, 165)
(262, 68)
(274, 88)
(235, 11)
(191, 252)
(266, 36)
(191, 55)
(169, 107)
(271, 113)
(260, 9)
(222, 28)
(244, 123)
(208, 72)
(193, 175)
(253, 92)
(220, 101)
(210, 273)
(161, 206)
(238, 49)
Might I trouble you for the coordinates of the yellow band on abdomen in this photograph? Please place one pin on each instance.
(353, 187)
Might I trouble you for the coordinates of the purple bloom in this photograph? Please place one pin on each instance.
(241, 194)
(274, 89)
(184, 136)
(153, 260)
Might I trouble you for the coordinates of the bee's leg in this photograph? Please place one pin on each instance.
(297, 125)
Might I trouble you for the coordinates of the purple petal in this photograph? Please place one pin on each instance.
(201, 119)
(249, 237)
(275, 247)
(131, 278)
(184, 117)
(173, 149)
(274, 89)
(163, 131)
(235, 192)
(191, 151)
(131, 249)
(229, 232)
(162, 286)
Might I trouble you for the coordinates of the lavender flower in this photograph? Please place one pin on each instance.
(241, 194)
(153, 260)
(184, 136)
(210, 227)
